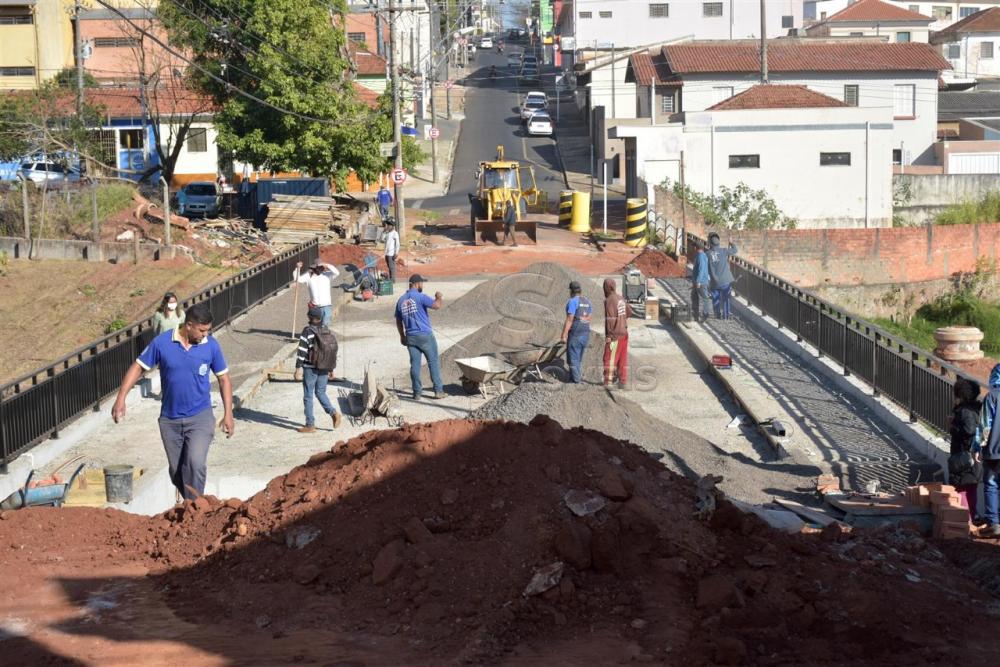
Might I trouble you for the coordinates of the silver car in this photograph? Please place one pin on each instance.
(200, 198)
(43, 171)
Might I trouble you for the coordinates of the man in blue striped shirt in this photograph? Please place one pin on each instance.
(313, 379)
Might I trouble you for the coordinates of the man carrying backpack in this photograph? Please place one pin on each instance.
(317, 357)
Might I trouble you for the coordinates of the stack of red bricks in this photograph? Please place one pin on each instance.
(951, 519)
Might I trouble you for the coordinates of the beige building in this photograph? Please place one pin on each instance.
(36, 41)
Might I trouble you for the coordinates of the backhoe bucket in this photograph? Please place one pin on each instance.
(491, 231)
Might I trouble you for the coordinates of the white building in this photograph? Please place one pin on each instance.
(630, 23)
(823, 163)
(971, 45)
(874, 18)
(694, 76)
(943, 13)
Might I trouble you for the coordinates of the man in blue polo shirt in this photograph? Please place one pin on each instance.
(576, 330)
(416, 335)
(185, 356)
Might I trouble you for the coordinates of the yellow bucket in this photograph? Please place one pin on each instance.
(565, 208)
(580, 221)
(635, 222)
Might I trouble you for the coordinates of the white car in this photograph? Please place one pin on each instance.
(486, 43)
(533, 103)
(540, 125)
(51, 172)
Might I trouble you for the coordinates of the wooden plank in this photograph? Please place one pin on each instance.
(812, 515)
(896, 505)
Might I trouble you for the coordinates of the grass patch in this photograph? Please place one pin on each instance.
(952, 309)
(972, 213)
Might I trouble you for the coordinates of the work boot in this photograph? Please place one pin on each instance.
(622, 386)
(438, 395)
(992, 531)
(337, 418)
(306, 429)
(417, 397)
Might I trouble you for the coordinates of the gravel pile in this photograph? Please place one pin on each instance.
(538, 291)
(682, 451)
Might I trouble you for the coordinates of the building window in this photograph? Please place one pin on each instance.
(897, 156)
(954, 51)
(967, 11)
(667, 103)
(915, 8)
(787, 21)
(941, 12)
(711, 9)
(851, 95)
(857, 34)
(586, 15)
(986, 50)
(902, 36)
(903, 100)
(744, 161)
(130, 139)
(604, 15)
(358, 37)
(197, 140)
(835, 159)
(720, 93)
(115, 42)
(17, 71)
(19, 19)
(822, 16)
(659, 10)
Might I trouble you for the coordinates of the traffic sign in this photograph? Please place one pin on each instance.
(398, 176)
(387, 149)
(435, 133)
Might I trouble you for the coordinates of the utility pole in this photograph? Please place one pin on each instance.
(763, 43)
(432, 77)
(397, 134)
(78, 46)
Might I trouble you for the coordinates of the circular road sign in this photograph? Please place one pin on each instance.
(435, 133)
(398, 176)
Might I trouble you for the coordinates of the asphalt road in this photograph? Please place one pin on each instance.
(491, 119)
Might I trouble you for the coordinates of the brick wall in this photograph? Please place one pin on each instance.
(844, 257)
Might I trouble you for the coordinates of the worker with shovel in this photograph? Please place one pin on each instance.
(316, 359)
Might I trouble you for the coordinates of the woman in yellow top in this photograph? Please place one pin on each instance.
(169, 316)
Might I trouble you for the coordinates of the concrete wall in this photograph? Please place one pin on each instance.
(914, 136)
(18, 248)
(930, 194)
(631, 25)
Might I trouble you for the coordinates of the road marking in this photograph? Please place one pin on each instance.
(417, 204)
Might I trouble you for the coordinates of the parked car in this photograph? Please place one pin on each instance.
(486, 43)
(44, 171)
(533, 102)
(529, 74)
(540, 124)
(514, 62)
(529, 61)
(199, 199)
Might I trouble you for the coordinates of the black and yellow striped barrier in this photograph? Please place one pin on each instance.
(635, 222)
(565, 208)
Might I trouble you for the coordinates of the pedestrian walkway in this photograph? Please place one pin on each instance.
(832, 429)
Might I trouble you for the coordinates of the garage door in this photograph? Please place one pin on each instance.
(974, 163)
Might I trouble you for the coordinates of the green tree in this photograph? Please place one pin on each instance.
(291, 55)
(67, 79)
(44, 121)
(740, 207)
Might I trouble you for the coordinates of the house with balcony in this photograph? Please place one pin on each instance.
(874, 18)
(972, 46)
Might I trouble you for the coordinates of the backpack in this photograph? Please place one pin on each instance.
(323, 353)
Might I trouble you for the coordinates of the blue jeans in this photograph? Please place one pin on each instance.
(991, 491)
(426, 345)
(575, 347)
(327, 315)
(314, 382)
(720, 300)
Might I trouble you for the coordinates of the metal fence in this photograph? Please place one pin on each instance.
(912, 378)
(35, 406)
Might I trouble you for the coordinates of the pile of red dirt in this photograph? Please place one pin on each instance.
(657, 264)
(483, 542)
(339, 254)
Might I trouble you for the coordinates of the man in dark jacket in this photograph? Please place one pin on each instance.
(990, 437)
(616, 314)
(720, 275)
(509, 222)
(964, 471)
(314, 379)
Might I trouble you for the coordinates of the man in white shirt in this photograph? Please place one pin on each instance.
(391, 247)
(320, 280)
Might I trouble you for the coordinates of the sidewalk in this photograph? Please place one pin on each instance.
(420, 184)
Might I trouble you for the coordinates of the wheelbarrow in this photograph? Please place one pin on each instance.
(484, 372)
(53, 495)
(528, 363)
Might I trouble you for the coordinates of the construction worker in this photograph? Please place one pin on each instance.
(391, 247)
(509, 222)
(315, 361)
(616, 314)
(720, 275)
(416, 334)
(384, 200)
(576, 332)
(185, 357)
(319, 277)
(699, 284)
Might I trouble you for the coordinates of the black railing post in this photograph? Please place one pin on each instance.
(843, 344)
(819, 331)
(97, 379)
(55, 402)
(913, 381)
(3, 439)
(798, 316)
(875, 364)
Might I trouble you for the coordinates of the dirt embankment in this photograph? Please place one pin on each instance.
(484, 543)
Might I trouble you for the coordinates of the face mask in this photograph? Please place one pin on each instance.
(420, 289)
(172, 306)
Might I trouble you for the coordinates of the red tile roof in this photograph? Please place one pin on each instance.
(644, 67)
(987, 20)
(366, 95)
(875, 10)
(803, 55)
(367, 63)
(124, 102)
(775, 96)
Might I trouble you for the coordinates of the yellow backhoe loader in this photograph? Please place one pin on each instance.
(498, 182)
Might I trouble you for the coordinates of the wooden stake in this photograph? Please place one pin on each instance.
(295, 306)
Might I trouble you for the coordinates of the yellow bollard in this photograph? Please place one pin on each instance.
(635, 222)
(580, 221)
(565, 208)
